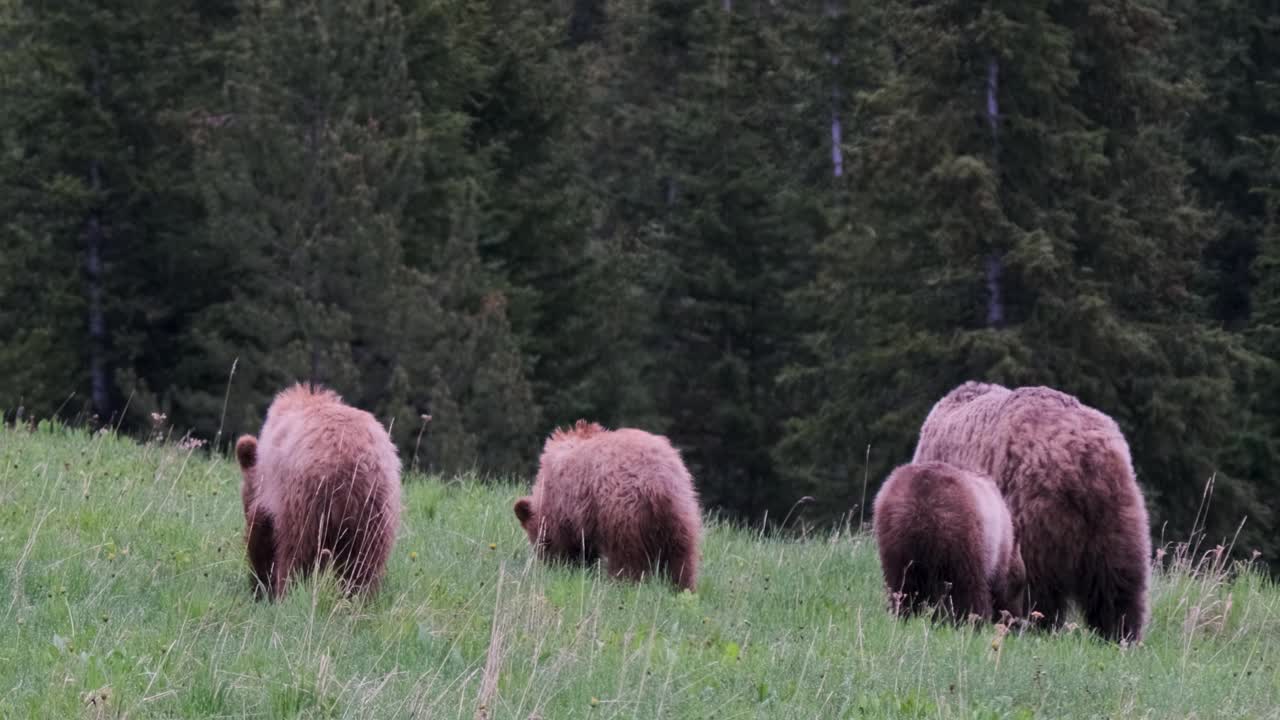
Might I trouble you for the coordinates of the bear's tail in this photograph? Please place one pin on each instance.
(247, 451)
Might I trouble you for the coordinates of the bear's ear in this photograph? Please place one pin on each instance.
(524, 510)
(247, 451)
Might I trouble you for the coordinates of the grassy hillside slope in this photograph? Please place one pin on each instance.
(124, 592)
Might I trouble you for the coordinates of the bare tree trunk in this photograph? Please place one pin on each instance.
(995, 263)
(837, 134)
(98, 381)
(586, 21)
(314, 218)
(95, 240)
(837, 153)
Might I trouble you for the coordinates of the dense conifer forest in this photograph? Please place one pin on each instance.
(775, 231)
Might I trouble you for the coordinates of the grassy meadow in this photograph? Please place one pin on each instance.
(124, 593)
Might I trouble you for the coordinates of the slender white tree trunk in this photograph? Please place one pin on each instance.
(995, 263)
(95, 272)
(837, 133)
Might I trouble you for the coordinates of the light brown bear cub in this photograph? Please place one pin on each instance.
(321, 487)
(946, 541)
(624, 495)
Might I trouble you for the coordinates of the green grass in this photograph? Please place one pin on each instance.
(122, 576)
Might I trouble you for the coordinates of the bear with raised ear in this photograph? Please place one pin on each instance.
(1065, 472)
(624, 495)
(321, 488)
(945, 541)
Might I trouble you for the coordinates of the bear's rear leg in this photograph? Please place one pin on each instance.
(628, 564)
(292, 560)
(1116, 606)
(965, 599)
(361, 557)
(260, 538)
(680, 563)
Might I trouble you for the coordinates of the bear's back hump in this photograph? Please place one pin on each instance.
(623, 471)
(303, 447)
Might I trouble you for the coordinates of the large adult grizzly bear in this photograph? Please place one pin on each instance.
(321, 487)
(946, 540)
(622, 494)
(1066, 475)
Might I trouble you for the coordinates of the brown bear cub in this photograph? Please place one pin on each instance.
(946, 542)
(624, 495)
(321, 488)
(1065, 473)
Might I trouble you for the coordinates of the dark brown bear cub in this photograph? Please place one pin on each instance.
(624, 495)
(946, 542)
(321, 487)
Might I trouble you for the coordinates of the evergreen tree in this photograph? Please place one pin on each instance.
(1024, 219)
(310, 176)
(525, 115)
(700, 147)
(1232, 146)
(601, 350)
(97, 198)
(747, 150)
(775, 231)
(1231, 46)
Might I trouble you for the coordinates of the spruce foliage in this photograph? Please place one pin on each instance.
(775, 231)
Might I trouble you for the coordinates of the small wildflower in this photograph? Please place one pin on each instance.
(62, 589)
(595, 701)
(111, 556)
(1037, 615)
(413, 555)
(998, 640)
(105, 618)
(191, 443)
(493, 546)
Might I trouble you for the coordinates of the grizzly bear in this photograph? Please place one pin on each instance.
(321, 488)
(1066, 475)
(624, 495)
(946, 541)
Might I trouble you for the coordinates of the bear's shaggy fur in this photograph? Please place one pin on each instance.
(946, 540)
(1066, 475)
(321, 486)
(624, 494)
